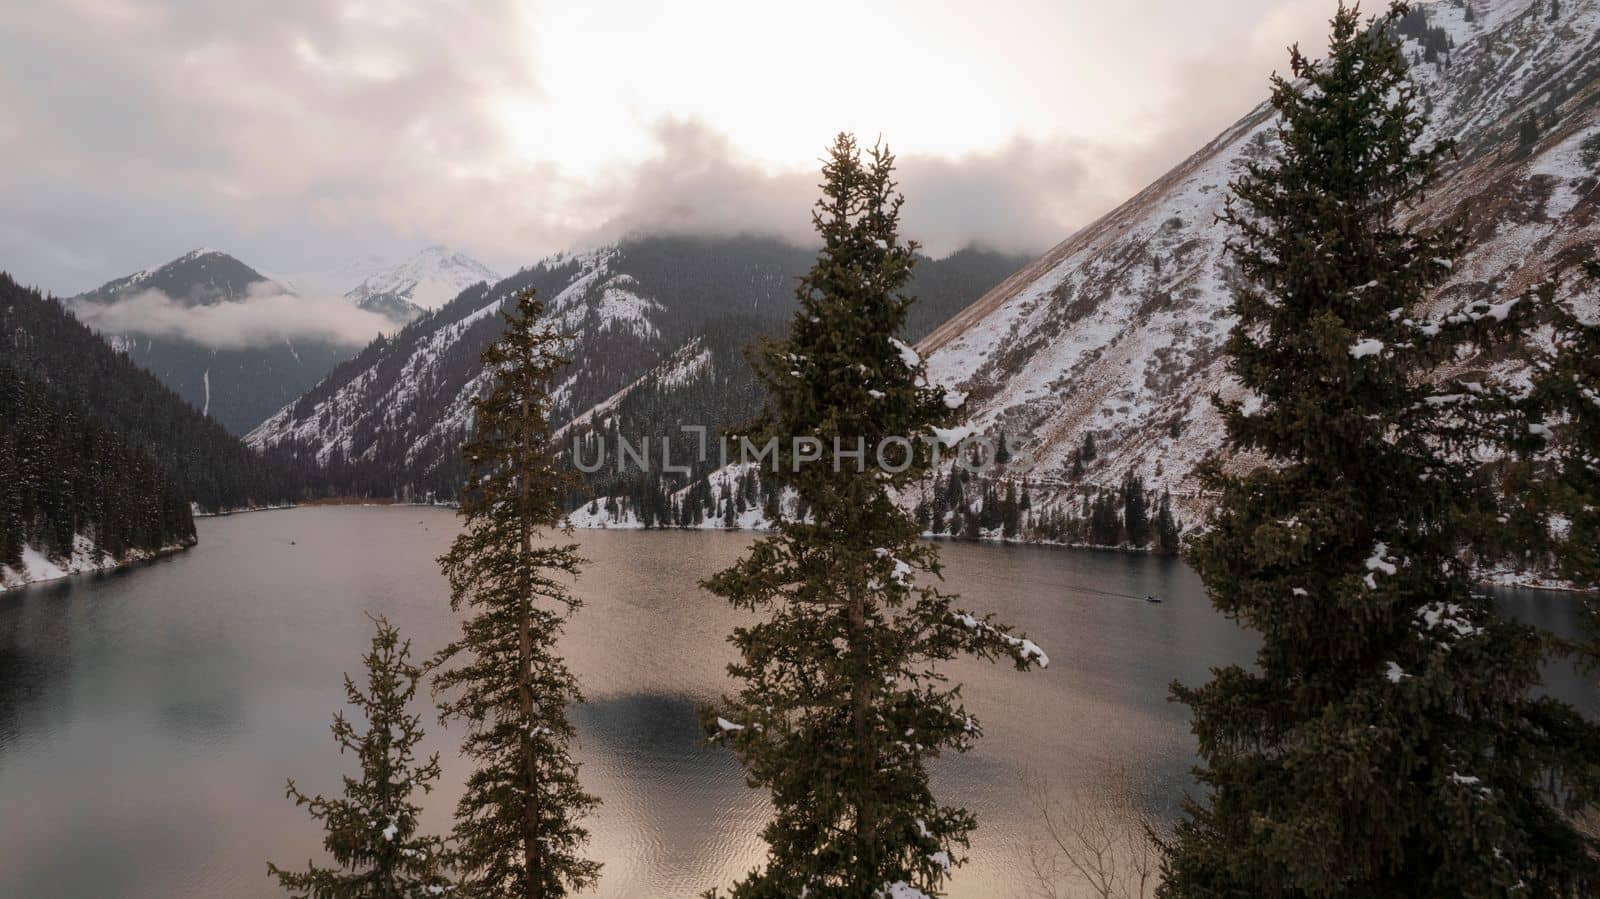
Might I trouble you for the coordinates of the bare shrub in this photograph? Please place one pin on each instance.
(1100, 841)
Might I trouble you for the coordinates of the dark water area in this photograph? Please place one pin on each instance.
(148, 718)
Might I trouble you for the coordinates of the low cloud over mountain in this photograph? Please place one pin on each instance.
(268, 315)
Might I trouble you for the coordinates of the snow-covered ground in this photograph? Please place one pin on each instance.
(36, 567)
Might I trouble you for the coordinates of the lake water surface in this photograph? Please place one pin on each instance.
(148, 718)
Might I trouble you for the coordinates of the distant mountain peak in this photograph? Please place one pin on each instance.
(432, 277)
(200, 277)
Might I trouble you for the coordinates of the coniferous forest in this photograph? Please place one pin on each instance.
(205, 464)
(63, 474)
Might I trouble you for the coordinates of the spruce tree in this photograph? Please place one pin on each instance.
(1568, 391)
(517, 830)
(1167, 533)
(1386, 742)
(1567, 524)
(1105, 521)
(1135, 510)
(842, 705)
(372, 830)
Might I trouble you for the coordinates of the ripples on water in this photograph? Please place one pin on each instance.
(148, 718)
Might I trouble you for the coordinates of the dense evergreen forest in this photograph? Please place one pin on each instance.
(202, 461)
(63, 474)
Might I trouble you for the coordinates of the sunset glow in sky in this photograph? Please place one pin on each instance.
(296, 133)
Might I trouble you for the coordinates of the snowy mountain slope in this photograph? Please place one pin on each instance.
(687, 364)
(1117, 332)
(420, 284)
(403, 403)
(237, 386)
(659, 327)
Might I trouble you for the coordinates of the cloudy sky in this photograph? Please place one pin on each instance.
(299, 134)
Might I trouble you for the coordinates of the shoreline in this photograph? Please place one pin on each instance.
(1483, 577)
(39, 569)
(83, 563)
(332, 501)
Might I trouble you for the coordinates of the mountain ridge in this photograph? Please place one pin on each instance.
(1116, 333)
(404, 402)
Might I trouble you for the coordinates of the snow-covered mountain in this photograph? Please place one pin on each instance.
(197, 278)
(1118, 331)
(236, 385)
(660, 325)
(424, 282)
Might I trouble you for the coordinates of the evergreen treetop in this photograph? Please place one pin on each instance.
(372, 829)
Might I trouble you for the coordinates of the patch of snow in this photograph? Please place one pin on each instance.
(1361, 349)
(37, 567)
(1449, 618)
(908, 356)
(952, 436)
(1377, 562)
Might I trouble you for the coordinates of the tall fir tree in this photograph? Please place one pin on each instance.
(1387, 741)
(1166, 527)
(842, 705)
(517, 831)
(1105, 521)
(1135, 510)
(372, 829)
(1564, 422)
(1568, 391)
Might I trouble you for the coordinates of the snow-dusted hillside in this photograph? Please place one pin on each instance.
(424, 282)
(660, 325)
(1117, 332)
(579, 290)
